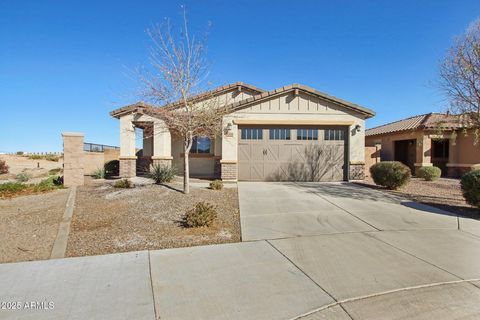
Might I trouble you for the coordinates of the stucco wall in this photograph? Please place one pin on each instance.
(96, 160)
(387, 142)
(303, 107)
(467, 152)
(200, 165)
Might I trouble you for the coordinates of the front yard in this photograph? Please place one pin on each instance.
(108, 220)
(443, 193)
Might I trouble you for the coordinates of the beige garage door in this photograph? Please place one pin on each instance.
(292, 153)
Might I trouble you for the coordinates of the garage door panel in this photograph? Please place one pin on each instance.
(292, 160)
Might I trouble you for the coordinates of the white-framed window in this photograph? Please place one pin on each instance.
(279, 134)
(251, 134)
(334, 134)
(307, 134)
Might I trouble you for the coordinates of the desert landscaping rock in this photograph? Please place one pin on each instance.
(108, 220)
(29, 224)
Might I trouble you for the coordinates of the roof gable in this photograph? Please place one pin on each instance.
(297, 88)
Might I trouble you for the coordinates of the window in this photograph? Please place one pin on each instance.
(251, 134)
(307, 134)
(334, 134)
(440, 148)
(280, 134)
(201, 145)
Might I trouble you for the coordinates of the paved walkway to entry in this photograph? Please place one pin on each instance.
(311, 251)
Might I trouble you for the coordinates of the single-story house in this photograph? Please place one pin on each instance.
(290, 133)
(428, 139)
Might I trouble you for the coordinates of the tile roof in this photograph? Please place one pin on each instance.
(219, 90)
(423, 121)
(265, 95)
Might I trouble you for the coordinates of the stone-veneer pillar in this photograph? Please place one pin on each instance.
(162, 160)
(73, 159)
(356, 170)
(128, 166)
(229, 170)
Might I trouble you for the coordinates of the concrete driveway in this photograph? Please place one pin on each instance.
(311, 251)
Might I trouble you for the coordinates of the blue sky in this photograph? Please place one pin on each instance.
(64, 64)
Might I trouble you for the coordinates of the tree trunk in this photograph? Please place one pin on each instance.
(186, 172)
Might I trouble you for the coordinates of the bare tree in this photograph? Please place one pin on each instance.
(177, 76)
(460, 75)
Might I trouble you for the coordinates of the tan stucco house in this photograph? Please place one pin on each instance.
(290, 133)
(428, 139)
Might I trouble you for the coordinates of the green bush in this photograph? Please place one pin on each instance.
(216, 185)
(35, 157)
(3, 167)
(19, 153)
(470, 183)
(52, 157)
(112, 168)
(202, 215)
(48, 184)
(162, 173)
(124, 183)
(429, 173)
(22, 177)
(98, 173)
(390, 174)
(12, 187)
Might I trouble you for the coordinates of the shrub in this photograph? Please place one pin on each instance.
(55, 171)
(470, 183)
(22, 177)
(19, 153)
(202, 215)
(48, 184)
(216, 185)
(12, 187)
(98, 173)
(35, 157)
(124, 183)
(429, 173)
(162, 173)
(390, 174)
(112, 168)
(3, 167)
(52, 157)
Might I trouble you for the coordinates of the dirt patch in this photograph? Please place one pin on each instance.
(108, 220)
(443, 193)
(35, 169)
(29, 225)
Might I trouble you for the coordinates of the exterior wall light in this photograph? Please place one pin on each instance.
(358, 128)
(228, 128)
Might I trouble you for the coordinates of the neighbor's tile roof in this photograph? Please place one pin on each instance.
(423, 121)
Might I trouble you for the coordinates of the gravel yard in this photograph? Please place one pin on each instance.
(443, 193)
(29, 224)
(108, 220)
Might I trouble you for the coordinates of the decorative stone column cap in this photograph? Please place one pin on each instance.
(162, 158)
(127, 157)
(72, 134)
(228, 161)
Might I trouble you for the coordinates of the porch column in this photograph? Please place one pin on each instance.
(453, 171)
(424, 151)
(229, 162)
(128, 159)
(162, 144)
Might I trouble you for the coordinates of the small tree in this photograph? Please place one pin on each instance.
(177, 77)
(460, 76)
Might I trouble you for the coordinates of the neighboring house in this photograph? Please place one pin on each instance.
(429, 139)
(291, 133)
